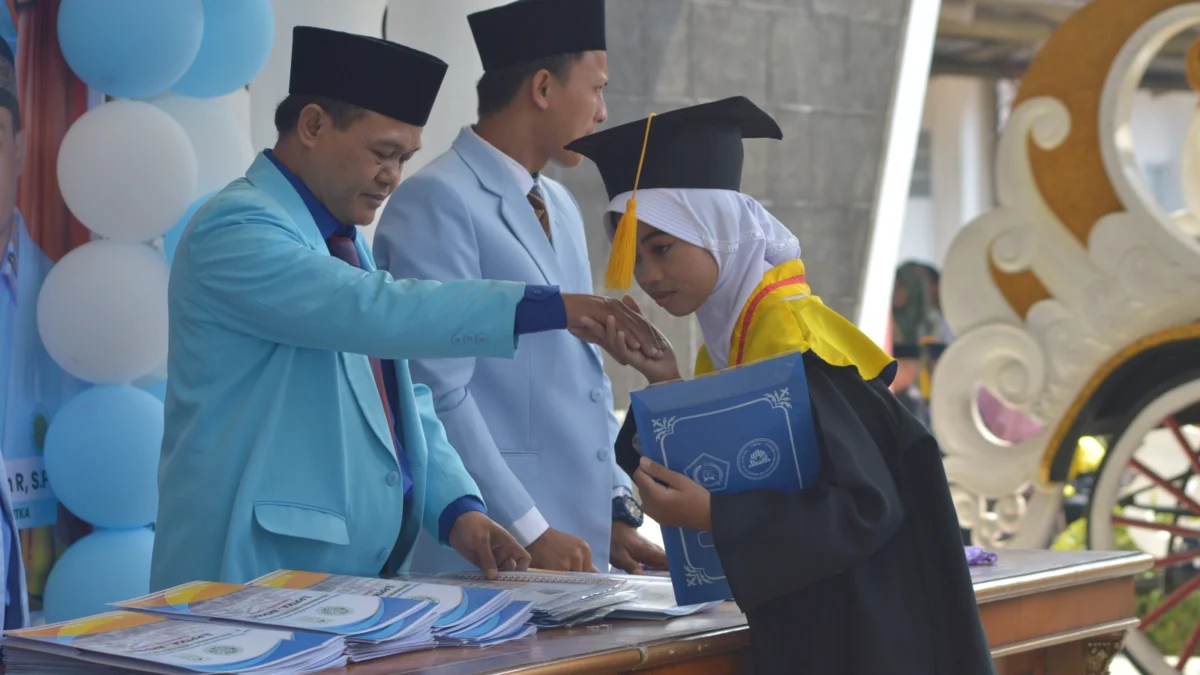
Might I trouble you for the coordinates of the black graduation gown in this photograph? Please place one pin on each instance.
(863, 572)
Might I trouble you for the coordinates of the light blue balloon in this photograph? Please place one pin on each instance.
(238, 35)
(102, 453)
(105, 566)
(130, 48)
(171, 238)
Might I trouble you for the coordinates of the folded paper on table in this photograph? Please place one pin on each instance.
(133, 641)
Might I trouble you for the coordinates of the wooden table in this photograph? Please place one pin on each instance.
(1045, 612)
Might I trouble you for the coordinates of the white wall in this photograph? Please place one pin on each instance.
(1159, 124)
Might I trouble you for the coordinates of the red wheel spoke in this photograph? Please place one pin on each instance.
(1173, 560)
(1188, 650)
(1192, 455)
(1170, 602)
(1151, 525)
(1166, 485)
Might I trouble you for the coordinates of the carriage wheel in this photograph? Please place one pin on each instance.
(1147, 497)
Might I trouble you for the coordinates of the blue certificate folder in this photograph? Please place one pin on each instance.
(747, 428)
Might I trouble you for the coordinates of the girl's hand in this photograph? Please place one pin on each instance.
(682, 502)
(615, 342)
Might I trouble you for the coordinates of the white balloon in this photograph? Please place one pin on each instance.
(102, 312)
(220, 139)
(127, 170)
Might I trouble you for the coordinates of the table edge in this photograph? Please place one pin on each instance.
(1063, 577)
(1107, 628)
(635, 657)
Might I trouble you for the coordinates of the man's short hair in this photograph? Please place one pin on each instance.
(287, 115)
(498, 88)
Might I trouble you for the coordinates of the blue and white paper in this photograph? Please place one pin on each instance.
(747, 428)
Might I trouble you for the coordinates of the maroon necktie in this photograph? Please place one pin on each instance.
(343, 247)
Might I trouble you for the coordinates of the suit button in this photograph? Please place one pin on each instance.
(481, 338)
(393, 478)
(457, 340)
(597, 394)
(602, 455)
(383, 554)
(470, 339)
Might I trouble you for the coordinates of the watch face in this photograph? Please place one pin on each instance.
(635, 509)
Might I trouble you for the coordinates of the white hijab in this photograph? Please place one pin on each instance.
(745, 240)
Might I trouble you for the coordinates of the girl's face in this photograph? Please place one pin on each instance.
(675, 274)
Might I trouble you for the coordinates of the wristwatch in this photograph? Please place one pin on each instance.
(628, 511)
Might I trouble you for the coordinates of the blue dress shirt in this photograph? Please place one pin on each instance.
(542, 309)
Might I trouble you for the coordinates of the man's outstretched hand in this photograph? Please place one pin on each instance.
(639, 333)
(487, 545)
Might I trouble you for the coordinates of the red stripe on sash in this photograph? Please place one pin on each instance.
(753, 305)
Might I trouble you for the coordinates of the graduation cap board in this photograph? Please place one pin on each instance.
(8, 84)
(528, 30)
(381, 76)
(698, 147)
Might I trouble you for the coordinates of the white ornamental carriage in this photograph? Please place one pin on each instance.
(1077, 300)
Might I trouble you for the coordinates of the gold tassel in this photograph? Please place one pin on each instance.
(619, 275)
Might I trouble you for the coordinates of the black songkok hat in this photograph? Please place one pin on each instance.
(381, 76)
(528, 30)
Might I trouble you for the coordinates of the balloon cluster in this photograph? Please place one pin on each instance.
(133, 170)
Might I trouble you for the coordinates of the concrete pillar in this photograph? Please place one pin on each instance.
(963, 145)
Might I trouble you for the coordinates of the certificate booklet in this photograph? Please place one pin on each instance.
(746, 428)
(465, 614)
(135, 642)
(373, 626)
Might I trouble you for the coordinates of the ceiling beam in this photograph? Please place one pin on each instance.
(1157, 79)
(999, 30)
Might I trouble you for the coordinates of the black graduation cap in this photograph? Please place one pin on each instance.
(698, 147)
(381, 76)
(528, 30)
(8, 84)
(695, 147)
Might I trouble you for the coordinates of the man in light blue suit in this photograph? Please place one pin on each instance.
(535, 432)
(294, 435)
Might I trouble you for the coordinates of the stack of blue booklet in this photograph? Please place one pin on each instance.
(746, 428)
(466, 616)
(373, 627)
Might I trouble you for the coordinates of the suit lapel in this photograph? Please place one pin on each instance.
(515, 208)
(567, 254)
(265, 176)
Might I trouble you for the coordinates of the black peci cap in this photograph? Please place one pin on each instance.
(381, 76)
(696, 147)
(528, 30)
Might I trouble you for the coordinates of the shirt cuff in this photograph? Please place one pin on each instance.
(542, 309)
(529, 527)
(450, 514)
(621, 491)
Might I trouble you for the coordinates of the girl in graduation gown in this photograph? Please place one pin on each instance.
(865, 571)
